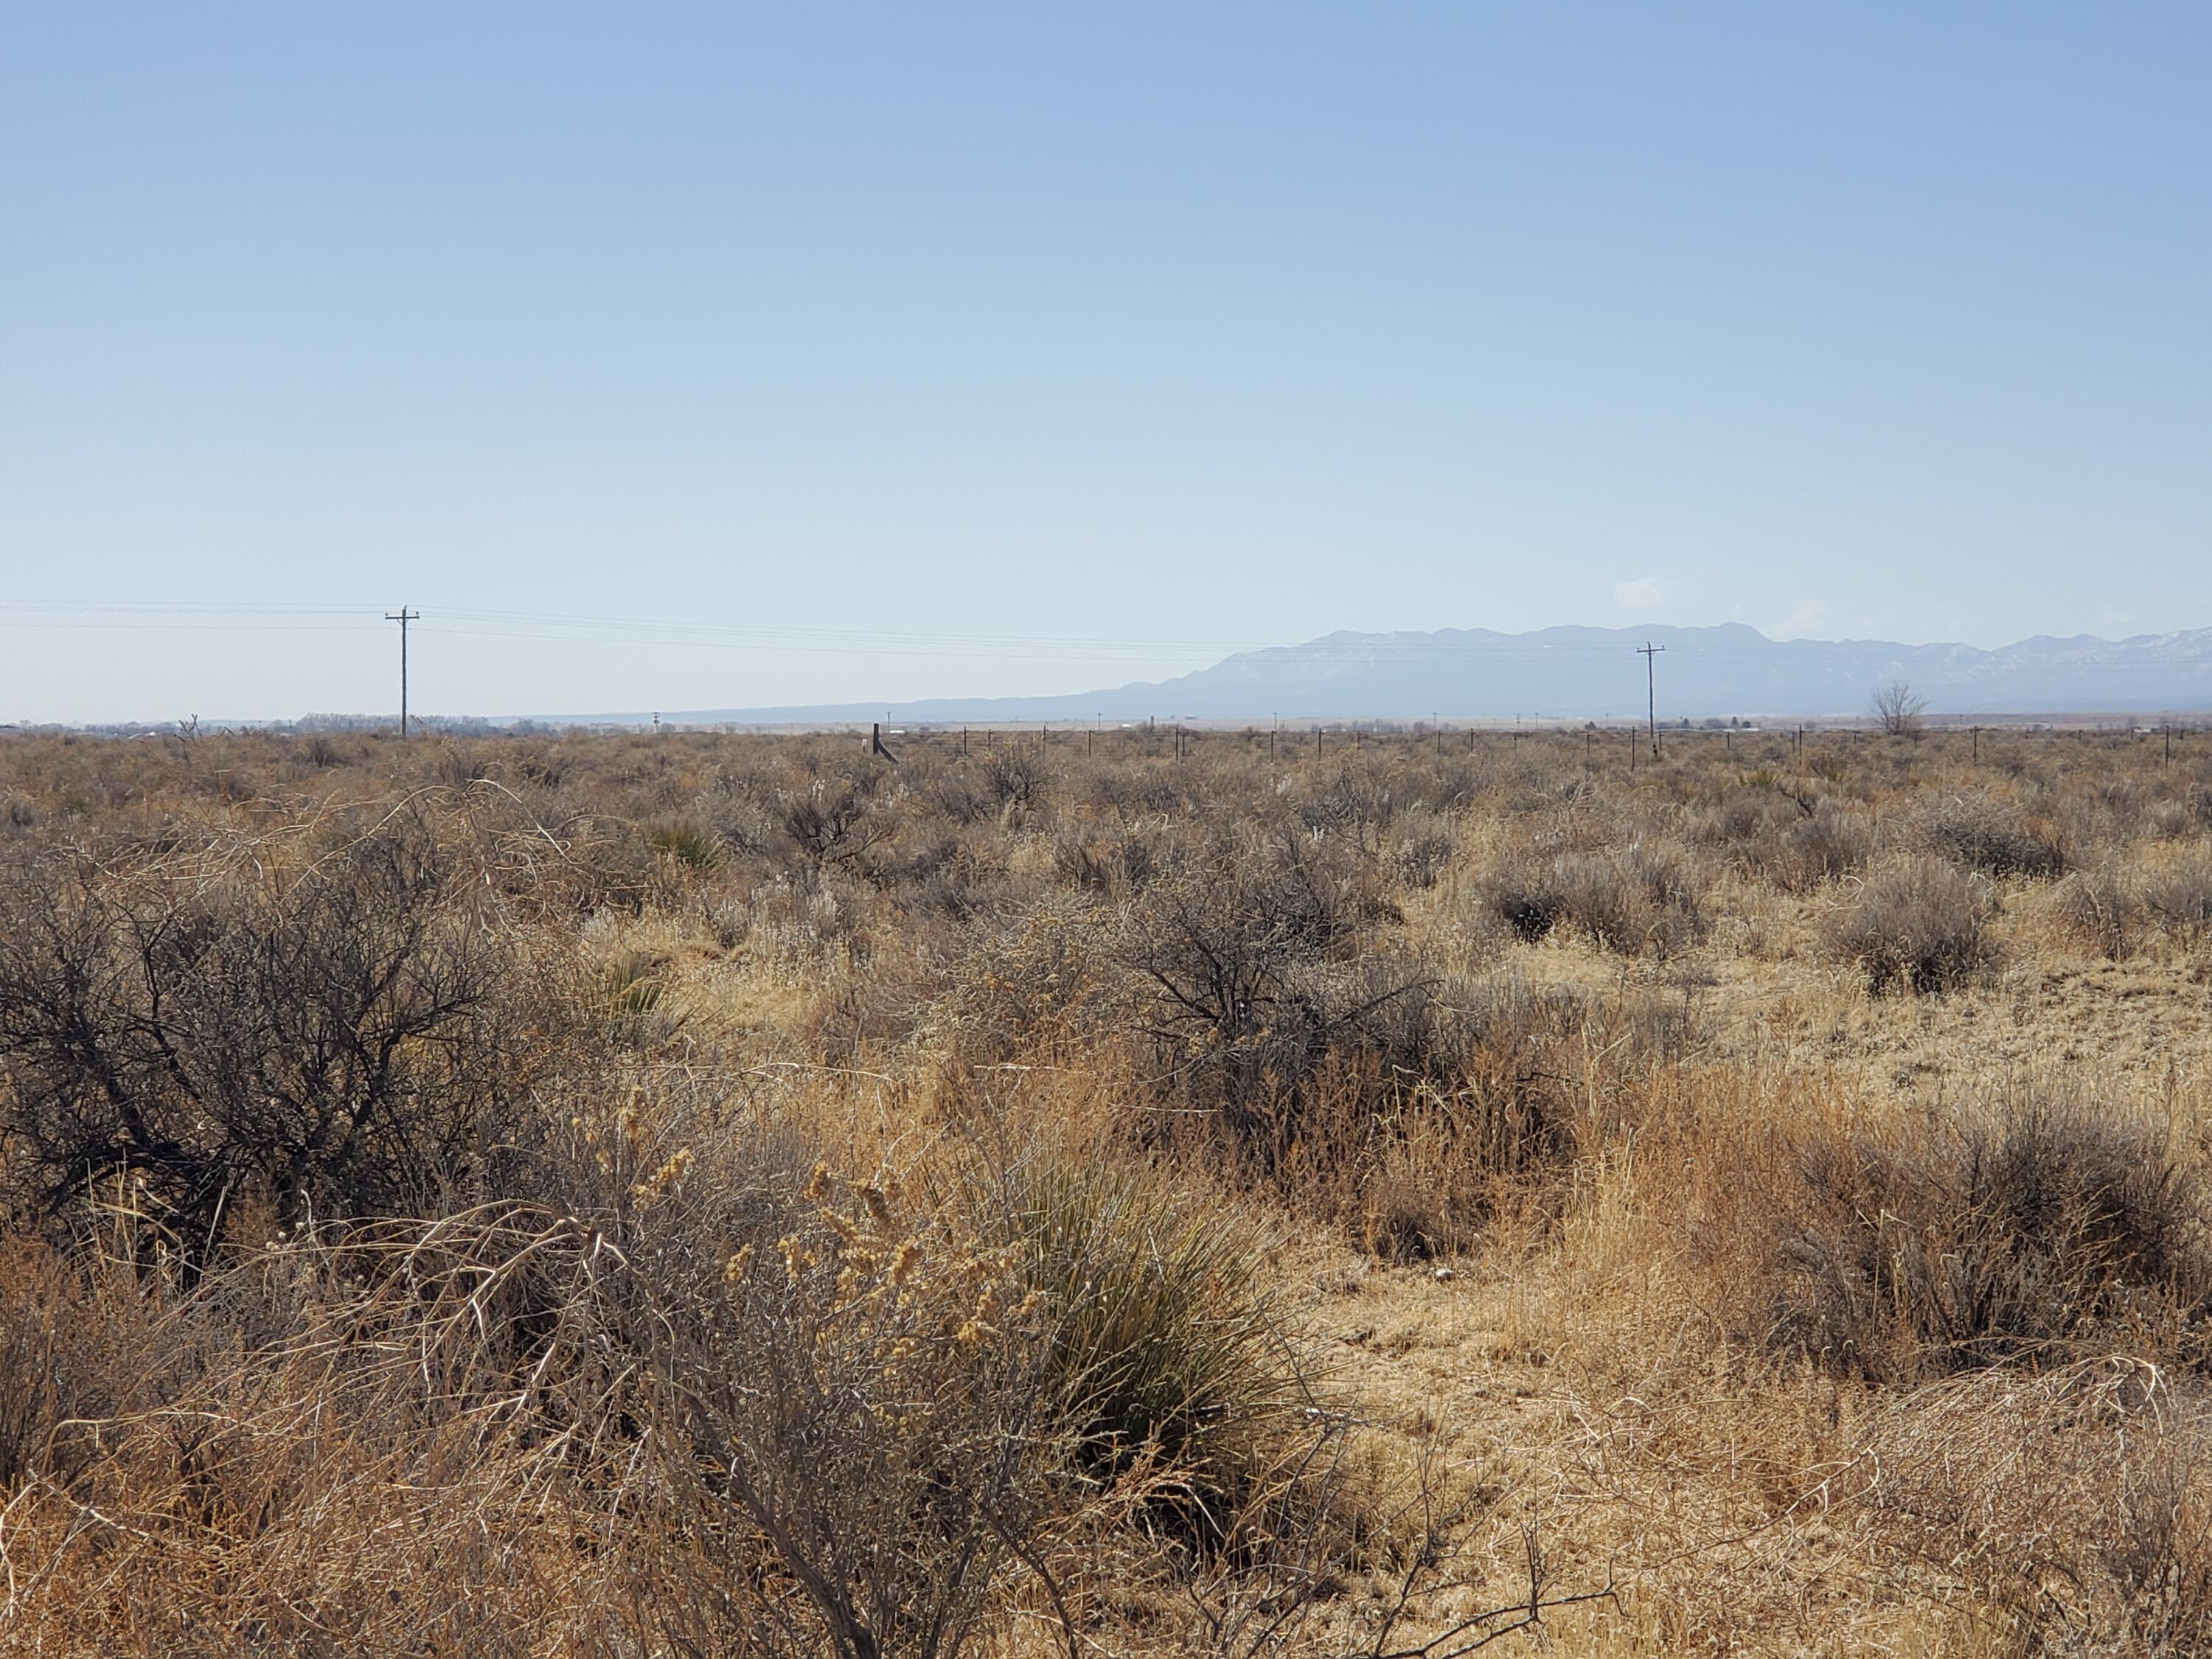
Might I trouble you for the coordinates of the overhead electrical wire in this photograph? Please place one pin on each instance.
(475, 621)
(572, 627)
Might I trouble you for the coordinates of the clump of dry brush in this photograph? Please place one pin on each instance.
(694, 1393)
(735, 1196)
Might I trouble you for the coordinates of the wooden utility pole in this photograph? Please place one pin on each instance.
(402, 617)
(1650, 652)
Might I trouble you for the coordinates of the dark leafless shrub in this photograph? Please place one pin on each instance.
(329, 1041)
(1219, 956)
(824, 826)
(1918, 925)
(1015, 778)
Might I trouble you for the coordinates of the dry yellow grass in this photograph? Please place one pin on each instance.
(1553, 1209)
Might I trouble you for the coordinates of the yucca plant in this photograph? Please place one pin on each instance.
(1176, 1374)
(687, 844)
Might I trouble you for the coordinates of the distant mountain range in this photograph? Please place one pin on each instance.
(1588, 673)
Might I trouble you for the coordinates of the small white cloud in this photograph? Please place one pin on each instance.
(1643, 593)
(1809, 615)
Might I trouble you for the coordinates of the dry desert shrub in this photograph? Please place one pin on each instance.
(1984, 834)
(2028, 1228)
(1823, 842)
(1184, 1387)
(2106, 909)
(731, 1403)
(2181, 896)
(1918, 924)
(1789, 832)
(1641, 900)
(747, 1197)
(2073, 1501)
(336, 1037)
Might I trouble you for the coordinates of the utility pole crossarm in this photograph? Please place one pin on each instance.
(402, 617)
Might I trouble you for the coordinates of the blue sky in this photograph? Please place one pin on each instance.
(1165, 327)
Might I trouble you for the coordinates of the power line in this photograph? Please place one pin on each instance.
(564, 627)
(486, 622)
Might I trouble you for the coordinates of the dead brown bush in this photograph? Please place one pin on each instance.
(1983, 834)
(1638, 901)
(2181, 898)
(1917, 924)
(2030, 1228)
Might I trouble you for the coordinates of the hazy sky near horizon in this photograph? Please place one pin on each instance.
(1173, 327)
